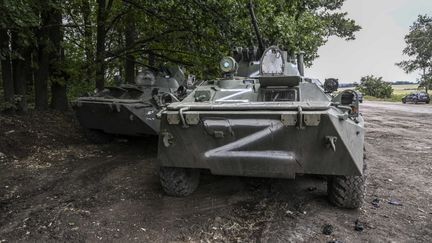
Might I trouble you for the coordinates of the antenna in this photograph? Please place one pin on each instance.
(261, 46)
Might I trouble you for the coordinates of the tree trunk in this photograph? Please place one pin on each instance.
(29, 72)
(59, 78)
(130, 37)
(88, 40)
(59, 99)
(41, 79)
(43, 60)
(100, 45)
(6, 68)
(18, 72)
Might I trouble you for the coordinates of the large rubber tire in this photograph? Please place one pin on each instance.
(347, 191)
(98, 137)
(179, 182)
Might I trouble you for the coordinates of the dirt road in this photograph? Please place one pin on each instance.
(394, 106)
(62, 189)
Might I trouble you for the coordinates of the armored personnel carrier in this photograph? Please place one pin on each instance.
(263, 118)
(130, 109)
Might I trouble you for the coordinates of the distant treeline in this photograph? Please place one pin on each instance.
(351, 85)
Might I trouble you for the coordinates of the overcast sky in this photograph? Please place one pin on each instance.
(378, 45)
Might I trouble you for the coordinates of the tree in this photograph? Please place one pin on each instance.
(32, 44)
(16, 42)
(50, 57)
(419, 50)
(375, 86)
(196, 34)
(6, 68)
(75, 45)
(43, 60)
(58, 76)
(130, 38)
(426, 81)
(21, 61)
(86, 11)
(104, 8)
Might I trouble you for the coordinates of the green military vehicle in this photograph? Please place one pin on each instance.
(131, 109)
(263, 118)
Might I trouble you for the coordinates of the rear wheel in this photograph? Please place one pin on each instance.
(97, 137)
(179, 182)
(347, 191)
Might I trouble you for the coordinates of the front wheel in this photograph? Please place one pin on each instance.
(179, 182)
(347, 191)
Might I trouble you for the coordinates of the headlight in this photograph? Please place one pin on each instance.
(228, 65)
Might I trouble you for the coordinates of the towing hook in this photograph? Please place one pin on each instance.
(168, 139)
(331, 142)
(185, 125)
(300, 118)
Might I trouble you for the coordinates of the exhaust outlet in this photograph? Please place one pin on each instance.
(300, 63)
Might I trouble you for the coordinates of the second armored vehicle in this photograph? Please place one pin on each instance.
(130, 109)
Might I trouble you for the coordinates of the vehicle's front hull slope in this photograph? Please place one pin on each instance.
(263, 144)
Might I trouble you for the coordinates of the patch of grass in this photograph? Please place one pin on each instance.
(399, 91)
(404, 89)
(393, 98)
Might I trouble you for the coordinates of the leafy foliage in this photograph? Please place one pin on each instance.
(426, 81)
(195, 33)
(375, 86)
(205, 31)
(18, 14)
(419, 49)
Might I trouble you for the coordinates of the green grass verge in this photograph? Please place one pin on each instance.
(404, 89)
(394, 98)
(399, 91)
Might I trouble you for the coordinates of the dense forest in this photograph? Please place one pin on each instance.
(53, 50)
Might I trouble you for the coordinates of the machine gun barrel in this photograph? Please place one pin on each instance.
(256, 27)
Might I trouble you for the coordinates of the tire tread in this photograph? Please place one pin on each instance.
(179, 182)
(347, 191)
